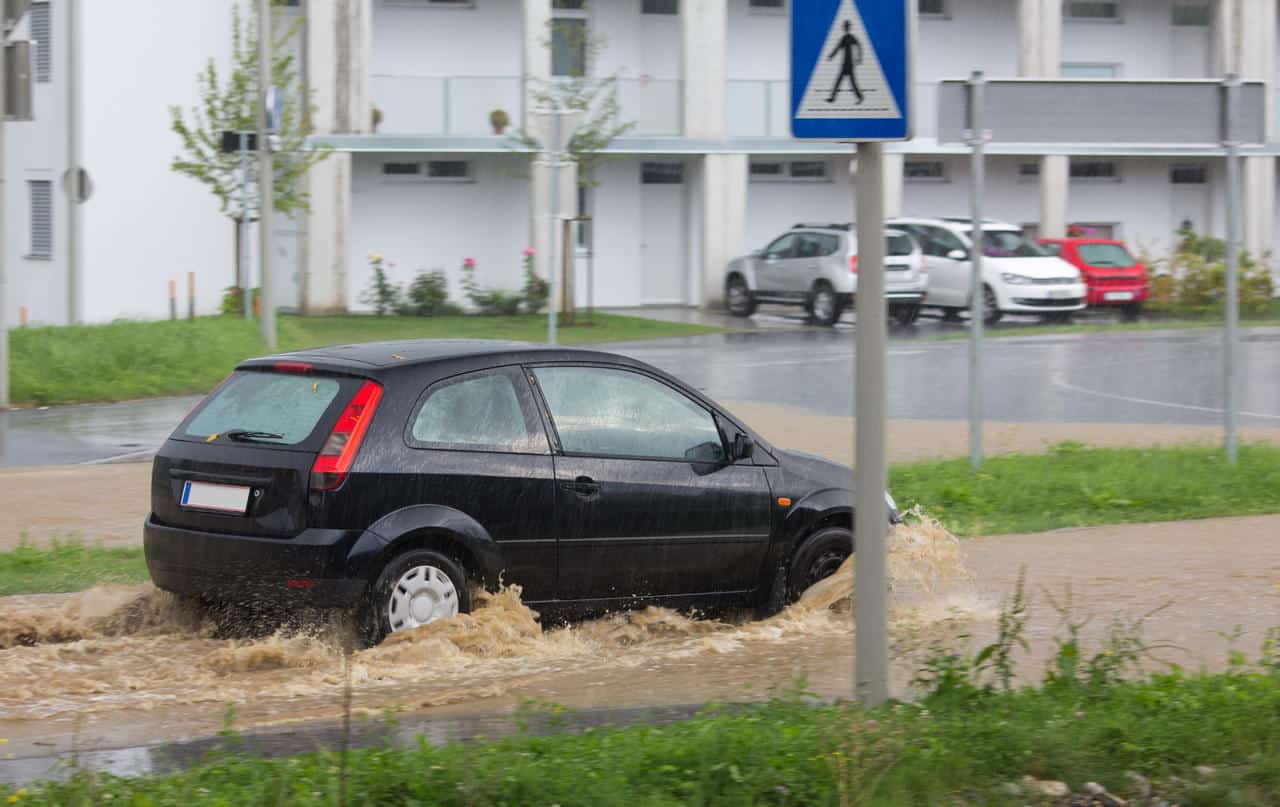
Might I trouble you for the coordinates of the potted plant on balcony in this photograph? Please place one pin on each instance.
(499, 120)
(376, 119)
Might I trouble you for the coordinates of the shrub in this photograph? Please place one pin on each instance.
(381, 293)
(536, 290)
(1192, 280)
(233, 301)
(489, 302)
(429, 296)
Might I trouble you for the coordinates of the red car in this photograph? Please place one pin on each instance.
(1113, 276)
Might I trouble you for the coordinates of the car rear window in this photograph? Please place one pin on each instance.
(275, 403)
(898, 244)
(1105, 255)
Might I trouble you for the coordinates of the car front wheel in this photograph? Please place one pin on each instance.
(905, 313)
(818, 558)
(991, 312)
(415, 588)
(824, 305)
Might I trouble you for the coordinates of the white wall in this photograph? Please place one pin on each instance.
(978, 35)
(436, 225)
(145, 224)
(483, 40)
(773, 207)
(1145, 43)
(36, 150)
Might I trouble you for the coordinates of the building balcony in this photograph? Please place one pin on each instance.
(459, 106)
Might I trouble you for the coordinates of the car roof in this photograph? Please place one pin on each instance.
(411, 352)
(960, 223)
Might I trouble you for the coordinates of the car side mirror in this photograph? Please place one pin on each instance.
(958, 255)
(743, 447)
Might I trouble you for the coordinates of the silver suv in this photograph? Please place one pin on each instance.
(816, 266)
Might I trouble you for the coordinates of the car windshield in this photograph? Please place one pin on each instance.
(271, 403)
(1009, 244)
(1105, 255)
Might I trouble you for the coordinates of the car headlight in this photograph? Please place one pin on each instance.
(1015, 280)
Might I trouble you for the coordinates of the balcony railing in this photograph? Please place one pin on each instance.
(762, 108)
(461, 105)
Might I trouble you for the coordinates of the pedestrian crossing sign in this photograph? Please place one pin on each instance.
(850, 69)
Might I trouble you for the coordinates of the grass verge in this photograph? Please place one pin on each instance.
(1073, 486)
(128, 360)
(68, 567)
(961, 746)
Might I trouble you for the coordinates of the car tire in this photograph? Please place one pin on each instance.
(1130, 312)
(738, 298)
(442, 588)
(991, 312)
(818, 557)
(905, 314)
(950, 313)
(824, 304)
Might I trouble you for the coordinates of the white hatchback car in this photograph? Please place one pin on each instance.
(1018, 275)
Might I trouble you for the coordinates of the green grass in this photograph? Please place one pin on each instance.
(69, 566)
(951, 748)
(128, 360)
(1073, 485)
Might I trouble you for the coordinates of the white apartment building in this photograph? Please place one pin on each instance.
(707, 172)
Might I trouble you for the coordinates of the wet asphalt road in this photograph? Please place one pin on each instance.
(1118, 377)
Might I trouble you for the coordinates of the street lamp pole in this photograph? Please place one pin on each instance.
(266, 176)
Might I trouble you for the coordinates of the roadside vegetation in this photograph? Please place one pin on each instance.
(1073, 485)
(68, 566)
(127, 360)
(1092, 731)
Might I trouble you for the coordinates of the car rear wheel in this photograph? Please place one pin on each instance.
(905, 313)
(817, 558)
(416, 588)
(824, 305)
(738, 298)
(1130, 312)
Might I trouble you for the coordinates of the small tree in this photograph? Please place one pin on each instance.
(229, 103)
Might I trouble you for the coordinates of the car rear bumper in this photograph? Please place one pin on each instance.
(310, 568)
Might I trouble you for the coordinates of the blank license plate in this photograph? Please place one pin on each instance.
(1058, 294)
(219, 498)
(1117, 295)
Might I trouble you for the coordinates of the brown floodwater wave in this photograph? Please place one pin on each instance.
(134, 649)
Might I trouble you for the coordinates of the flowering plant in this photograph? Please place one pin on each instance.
(536, 290)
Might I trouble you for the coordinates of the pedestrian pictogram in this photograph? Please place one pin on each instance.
(849, 65)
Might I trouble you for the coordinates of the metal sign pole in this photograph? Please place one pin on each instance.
(246, 285)
(266, 176)
(1230, 332)
(977, 300)
(553, 171)
(871, 515)
(4, 319)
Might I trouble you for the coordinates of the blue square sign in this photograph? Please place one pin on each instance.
(850, 69)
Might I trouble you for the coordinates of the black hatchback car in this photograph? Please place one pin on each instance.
(393, 477)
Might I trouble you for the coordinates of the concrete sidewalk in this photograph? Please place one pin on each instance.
(108, 503)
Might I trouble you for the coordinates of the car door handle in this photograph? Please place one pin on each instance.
(583, 486)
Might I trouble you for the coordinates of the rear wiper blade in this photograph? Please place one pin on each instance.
(246, 436)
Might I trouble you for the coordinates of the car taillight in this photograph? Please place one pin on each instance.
(334, 461)
(853, 264)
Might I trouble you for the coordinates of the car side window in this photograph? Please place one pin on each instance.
(612, 412)
(781, 248)
(945, 242)
(818, 245)
(490, 410)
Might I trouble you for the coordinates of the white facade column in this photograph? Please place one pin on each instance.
(704, 34)
(1040, 56)
(1245, 44)
(536, 63)
(723, 217)
(337, 52)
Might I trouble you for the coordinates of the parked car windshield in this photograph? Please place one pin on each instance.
(271, 403)
(1010, 244)
(1105, 255)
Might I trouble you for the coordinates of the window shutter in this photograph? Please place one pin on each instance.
(42, 33)
(41, 218)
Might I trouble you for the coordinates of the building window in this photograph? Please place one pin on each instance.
(449, 170)
(661, 173)
(1029, 172)
(41, 236)
(659, 6)
(402, 170)
(569, 46)
(767, 6)
(42, 33)
(1102, 10)
(1090, 70)
(924, 171)
(789, 171)
(429, 3)
(1095, 170)
(931, 8)
(1188, 173)
(1191, 14)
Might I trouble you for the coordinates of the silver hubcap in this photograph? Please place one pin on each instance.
(737, 296)
(423, 594)
(822, 305)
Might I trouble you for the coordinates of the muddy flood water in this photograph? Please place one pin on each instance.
(118, 666)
